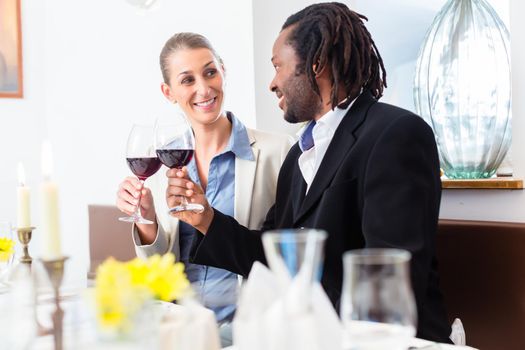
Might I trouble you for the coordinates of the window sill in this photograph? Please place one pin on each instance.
(497, 183)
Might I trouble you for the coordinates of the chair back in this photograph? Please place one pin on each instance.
(108, 236)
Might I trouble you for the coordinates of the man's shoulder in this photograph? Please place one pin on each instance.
(385, 114)
(389, 109)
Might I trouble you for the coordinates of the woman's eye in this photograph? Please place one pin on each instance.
(187, 80)
(211, 72)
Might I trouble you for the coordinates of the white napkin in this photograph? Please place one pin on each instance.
(189, 327)
(458, 333)
(276, 313)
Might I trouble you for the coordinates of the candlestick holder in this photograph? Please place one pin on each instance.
(24, 236)
(55, 271)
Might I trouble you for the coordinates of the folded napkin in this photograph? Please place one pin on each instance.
(189, 327)
(422, 344)
(276, 312)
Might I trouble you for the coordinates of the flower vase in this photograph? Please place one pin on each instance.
(138, 331)
(462, 88)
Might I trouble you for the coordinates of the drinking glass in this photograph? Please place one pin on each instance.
(142, 161)
(6, 251)
(175, 145)
(295, 256)
(294, 252)
(378, 308)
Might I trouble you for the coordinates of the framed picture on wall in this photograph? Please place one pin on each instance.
(11, 83)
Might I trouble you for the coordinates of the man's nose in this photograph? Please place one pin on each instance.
(273, 86)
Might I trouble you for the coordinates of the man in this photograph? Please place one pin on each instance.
(364, 171)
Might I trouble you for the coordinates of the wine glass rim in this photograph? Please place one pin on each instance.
(373, 256)
(294, 235)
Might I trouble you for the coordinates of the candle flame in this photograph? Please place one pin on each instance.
(21, 174)
(47, 159)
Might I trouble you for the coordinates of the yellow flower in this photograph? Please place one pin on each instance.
(123, 287)
(138, 270)
(166, 279)
(116, 297)
(6, 248)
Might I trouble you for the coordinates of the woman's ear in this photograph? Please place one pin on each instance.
(166, 91)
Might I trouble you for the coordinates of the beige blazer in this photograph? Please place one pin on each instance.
(255, 186)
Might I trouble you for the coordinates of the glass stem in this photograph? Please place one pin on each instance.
(137, 212)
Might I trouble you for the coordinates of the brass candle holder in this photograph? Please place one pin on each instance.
(24, 236)
(55, 272)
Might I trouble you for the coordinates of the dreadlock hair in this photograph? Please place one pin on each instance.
(330, 35)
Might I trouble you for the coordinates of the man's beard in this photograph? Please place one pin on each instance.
(302, 103)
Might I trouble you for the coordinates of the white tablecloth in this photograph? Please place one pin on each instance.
(418, 343)
(75, 312)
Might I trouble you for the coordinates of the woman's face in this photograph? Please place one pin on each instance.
(196, 83)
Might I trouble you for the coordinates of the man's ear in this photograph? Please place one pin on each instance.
(166, 91)
(318, 71)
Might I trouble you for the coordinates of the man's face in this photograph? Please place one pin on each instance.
(296, 98)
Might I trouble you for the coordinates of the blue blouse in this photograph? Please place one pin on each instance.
(216, 287)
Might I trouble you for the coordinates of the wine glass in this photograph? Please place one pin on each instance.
(378, 308)
(142, 161)
(6, 251)
(175, 146)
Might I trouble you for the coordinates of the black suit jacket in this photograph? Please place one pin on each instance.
(377, 186)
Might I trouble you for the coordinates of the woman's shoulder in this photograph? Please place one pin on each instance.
(272, 146)
(270, 139)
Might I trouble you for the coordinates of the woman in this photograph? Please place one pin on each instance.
(237, 167)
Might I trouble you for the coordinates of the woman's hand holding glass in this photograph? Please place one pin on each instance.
(142, 161)
(131, 194)
(181, 188)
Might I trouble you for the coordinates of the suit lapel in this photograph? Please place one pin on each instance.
(341, 143)
(298, 190)
(244, 182)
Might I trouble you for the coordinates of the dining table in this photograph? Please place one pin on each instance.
(80, 331)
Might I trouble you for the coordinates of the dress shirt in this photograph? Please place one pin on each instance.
(217, 287)
(322, 132)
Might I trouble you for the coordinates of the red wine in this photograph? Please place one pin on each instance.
(175, 158)
(144, 167)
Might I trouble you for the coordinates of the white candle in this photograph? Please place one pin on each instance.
(22, 195)
(49, 204)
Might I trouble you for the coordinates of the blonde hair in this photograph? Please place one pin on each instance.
(184, 40)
